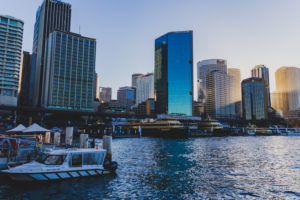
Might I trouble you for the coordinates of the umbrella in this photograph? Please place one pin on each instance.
(35, 128)
(19, 128)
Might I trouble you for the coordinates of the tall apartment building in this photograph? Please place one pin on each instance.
(51, 15)
(254, 99)
(25, 77)
(144, 88)
(288, 87)
(11, 35)
(203, 69)
(134, 79)
(173, 75)
(261, 71)
(68, 81)
(105, 94)
(219, 95)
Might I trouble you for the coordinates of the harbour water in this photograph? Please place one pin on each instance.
(195, 168)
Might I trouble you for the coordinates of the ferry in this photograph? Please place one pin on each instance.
(163, 128)
(63, 164)
(210, 125)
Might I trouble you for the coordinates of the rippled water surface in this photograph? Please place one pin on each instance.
(197, 168)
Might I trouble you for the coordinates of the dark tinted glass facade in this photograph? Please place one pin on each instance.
(174, 73)
(51, 15)
(254, 99)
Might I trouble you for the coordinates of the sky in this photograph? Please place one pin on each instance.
(244, 32)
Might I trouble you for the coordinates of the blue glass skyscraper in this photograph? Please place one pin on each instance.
(254, 99)
(173, 76)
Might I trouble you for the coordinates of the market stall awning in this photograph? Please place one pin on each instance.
(35, 128)
(19, 128)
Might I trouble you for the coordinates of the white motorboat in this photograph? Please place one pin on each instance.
(63, 164)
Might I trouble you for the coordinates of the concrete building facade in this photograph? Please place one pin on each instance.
(68, 81)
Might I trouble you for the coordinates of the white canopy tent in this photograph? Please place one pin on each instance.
(35, 128)
(19, 128)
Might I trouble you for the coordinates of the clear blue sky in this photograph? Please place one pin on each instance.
(244, 32)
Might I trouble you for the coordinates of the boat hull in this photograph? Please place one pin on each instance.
(51, 176)
(165, 133)
(3, 163)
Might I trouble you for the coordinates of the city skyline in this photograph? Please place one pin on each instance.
(244, 33)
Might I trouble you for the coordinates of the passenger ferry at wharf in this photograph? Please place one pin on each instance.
(164, 128)
(63, 164)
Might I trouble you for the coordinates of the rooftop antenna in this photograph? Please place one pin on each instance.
(79, 29)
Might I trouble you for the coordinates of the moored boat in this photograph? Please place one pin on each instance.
(63, 164)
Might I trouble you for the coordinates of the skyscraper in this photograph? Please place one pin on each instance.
(51, 15)
(11, 35)
(236, 76)
(105, 94)
(236, 88)
(126, 96)
(134, 79)
(203, 69)
(277, 102)
(219, 93)
(97, 87)
(288, 87)
(254, 99)
(24, 82)
(144, 88)
(173, 76)
(261, 71)
(68, 81)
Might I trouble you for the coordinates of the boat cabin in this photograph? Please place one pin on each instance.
(73, 157)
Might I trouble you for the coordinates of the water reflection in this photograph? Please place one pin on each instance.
(231, 167)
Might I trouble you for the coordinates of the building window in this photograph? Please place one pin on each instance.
(4, 20)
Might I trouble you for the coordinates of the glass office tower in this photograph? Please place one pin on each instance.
(254, 99)
(11, 35)
(173, 77)
(68, 81)
(51, 15)
(126, 97)
(261, 71)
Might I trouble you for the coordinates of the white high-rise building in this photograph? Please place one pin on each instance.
(203, 69)
(134, 78)
(288, 87)
(11, 35)
(219, 95)
(97, 87)
(144, 88)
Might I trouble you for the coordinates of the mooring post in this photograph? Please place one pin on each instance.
(69, 136)
(84, 141)
(106, 144)
(57, 138)
(47, 138)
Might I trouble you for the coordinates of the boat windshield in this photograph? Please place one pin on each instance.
(50, 159)
(41, 157)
